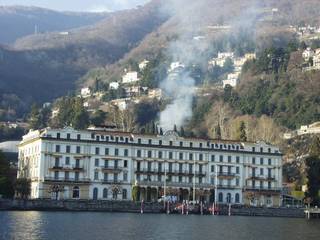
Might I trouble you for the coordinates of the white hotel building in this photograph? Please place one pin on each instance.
(103, 164)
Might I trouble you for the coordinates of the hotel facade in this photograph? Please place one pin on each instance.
(102, 164)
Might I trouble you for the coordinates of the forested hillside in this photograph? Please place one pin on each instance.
(20, 21)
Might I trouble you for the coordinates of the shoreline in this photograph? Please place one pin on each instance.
(135, 207)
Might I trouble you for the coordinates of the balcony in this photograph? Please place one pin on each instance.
(174, 184)
(67, 180)
(262, 189)
(67, 168)
(261, 177)
(113, 182)
(111, 169)
(226, 175)
(227, 186)
(56, 167)
(77, 168)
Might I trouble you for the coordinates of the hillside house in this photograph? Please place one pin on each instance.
(155, 93)
(114, 85)
(313, 128)
(308, 53)
(143, 64)
(85, 92)
(176, 66)
(232, 79)
(130, 77)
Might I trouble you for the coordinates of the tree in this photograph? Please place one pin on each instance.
(23, 188)
(135, 193)
(6, 183)
(312, 171)
(34, 117)
(228, 65)
(242, 132)
(146, 112)
(182, 132)
(303, 45)
(175, 128)
(71, 113)
(217, 131)
(98, 118)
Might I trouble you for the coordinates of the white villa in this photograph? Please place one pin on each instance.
(130, 77)
(105, 164)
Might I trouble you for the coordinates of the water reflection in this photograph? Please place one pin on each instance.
(62, 225)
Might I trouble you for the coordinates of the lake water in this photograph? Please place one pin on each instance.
(91, 225)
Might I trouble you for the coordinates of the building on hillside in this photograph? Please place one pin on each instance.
(155, 93)
(130, 77)
(105, 164)
(114, 85)
(313, 128)
(85, 92)
(134, 91)
(308, 53)
(232, 80)
(316, 60)
(226, 55)
(176, 67)
(121, 103)
(250, 56)
(143, 64)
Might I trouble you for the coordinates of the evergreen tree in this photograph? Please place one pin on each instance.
(34, 117)
(312, 171)
(242, 132)
(182, 132)
(6, 182)
(80, 118)
(175, 128)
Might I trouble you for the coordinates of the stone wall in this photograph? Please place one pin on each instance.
(135, 207)
(80, 205)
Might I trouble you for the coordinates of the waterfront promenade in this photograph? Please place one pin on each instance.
(136, 207)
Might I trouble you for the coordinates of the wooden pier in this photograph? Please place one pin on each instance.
(312, 213)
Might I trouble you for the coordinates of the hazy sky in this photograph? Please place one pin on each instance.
(78, 5)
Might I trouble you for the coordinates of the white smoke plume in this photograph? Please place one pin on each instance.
(191, 19)
(180, 87)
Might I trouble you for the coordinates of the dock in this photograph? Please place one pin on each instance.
(312, 213)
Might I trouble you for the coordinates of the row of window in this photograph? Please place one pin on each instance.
(160, 142)
(106, 177)
(106, 163)
(160, 178)
(229, 198)
(160, 155)
(105, 194)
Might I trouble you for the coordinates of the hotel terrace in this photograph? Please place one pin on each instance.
(103, 164)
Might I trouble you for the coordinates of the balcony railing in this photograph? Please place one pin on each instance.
(226, 174)
(227, 186)
(111, 168)
(175, 184)
(67, 167)
(262, 189)
(115, 182)
(68, 179)
(261, 177)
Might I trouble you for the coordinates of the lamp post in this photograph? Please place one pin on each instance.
(165, 185)
(216, 189)
(194, 181)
